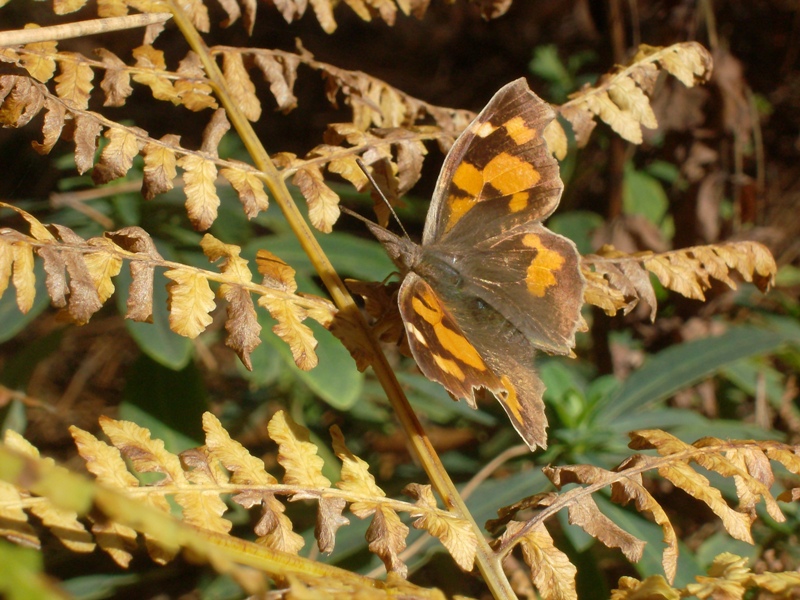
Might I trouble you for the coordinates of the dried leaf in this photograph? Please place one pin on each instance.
(249, 188)
(291, 330)
(323, 203)
(14, 524)
(552, 572)
(195, 93)
(239, 85)
(106, 464)
(190, 302)
(619, 99)
(62, 523)
(23, 277)
(37, 58)
(242, 323)
(102, 266)
(584, 513)
(654, 587)
(199, 509)
(280, 72)
(159, 166)
(455, 534)
(116, 159)
(386, 537)
(152, 72)
(202, 201)
(297, 456)
(84, 299)
(74, 82)
(86, 133)
(52, 127)
(355, 477)
(140, 294)
(117, 81)
(247, 469)
(63, 7)
(329, 520)
(727, 577)
(277, 274)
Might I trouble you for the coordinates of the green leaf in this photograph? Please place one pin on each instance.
(643, 194)
(680, 366)
(167, 402)
(11, 320)
(21, 576)
(335, 379)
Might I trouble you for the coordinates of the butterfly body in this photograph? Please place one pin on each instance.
(489, 284)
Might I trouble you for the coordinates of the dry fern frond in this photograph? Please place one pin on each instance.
(747, 462)
(728, 577)
(198, 478)
(620, 97)
(118, 508)
(386, 10)
(79, 279)
(617, 281)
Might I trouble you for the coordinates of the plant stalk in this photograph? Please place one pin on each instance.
(488, 562)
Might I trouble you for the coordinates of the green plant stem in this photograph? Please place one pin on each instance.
(488, 562)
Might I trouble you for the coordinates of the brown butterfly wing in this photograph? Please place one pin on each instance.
(500, 163)
(501, 359)
(532, 277)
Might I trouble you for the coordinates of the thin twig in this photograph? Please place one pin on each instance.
(18, 37)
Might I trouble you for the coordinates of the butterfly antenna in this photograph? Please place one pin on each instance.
(377, 188)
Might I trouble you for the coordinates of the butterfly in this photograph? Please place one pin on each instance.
(490, 285)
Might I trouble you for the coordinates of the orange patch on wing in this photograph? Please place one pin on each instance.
(456, 344)
(458, 208)
(469, 178)
(518, 202)
(519, 131)
(510, 400)
(510, 174)
(449, 366)
(542, 270)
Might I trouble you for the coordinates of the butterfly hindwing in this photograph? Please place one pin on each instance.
(500, 163)
(532, 277)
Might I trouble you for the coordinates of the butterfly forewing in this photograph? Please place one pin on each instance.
(500, 163)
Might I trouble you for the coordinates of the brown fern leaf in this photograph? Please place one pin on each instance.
(290, 315)
(386, 534)
(455, 534)
(242, 323)
(747, 462)
(617, 281)
(107, 465)
(62, 523)
(249, 472)
(79, 277)
(552, 572)
(620, 98)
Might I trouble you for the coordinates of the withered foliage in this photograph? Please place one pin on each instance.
(747, 462)
(79, 276)
(199, 479)
(387, 131)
